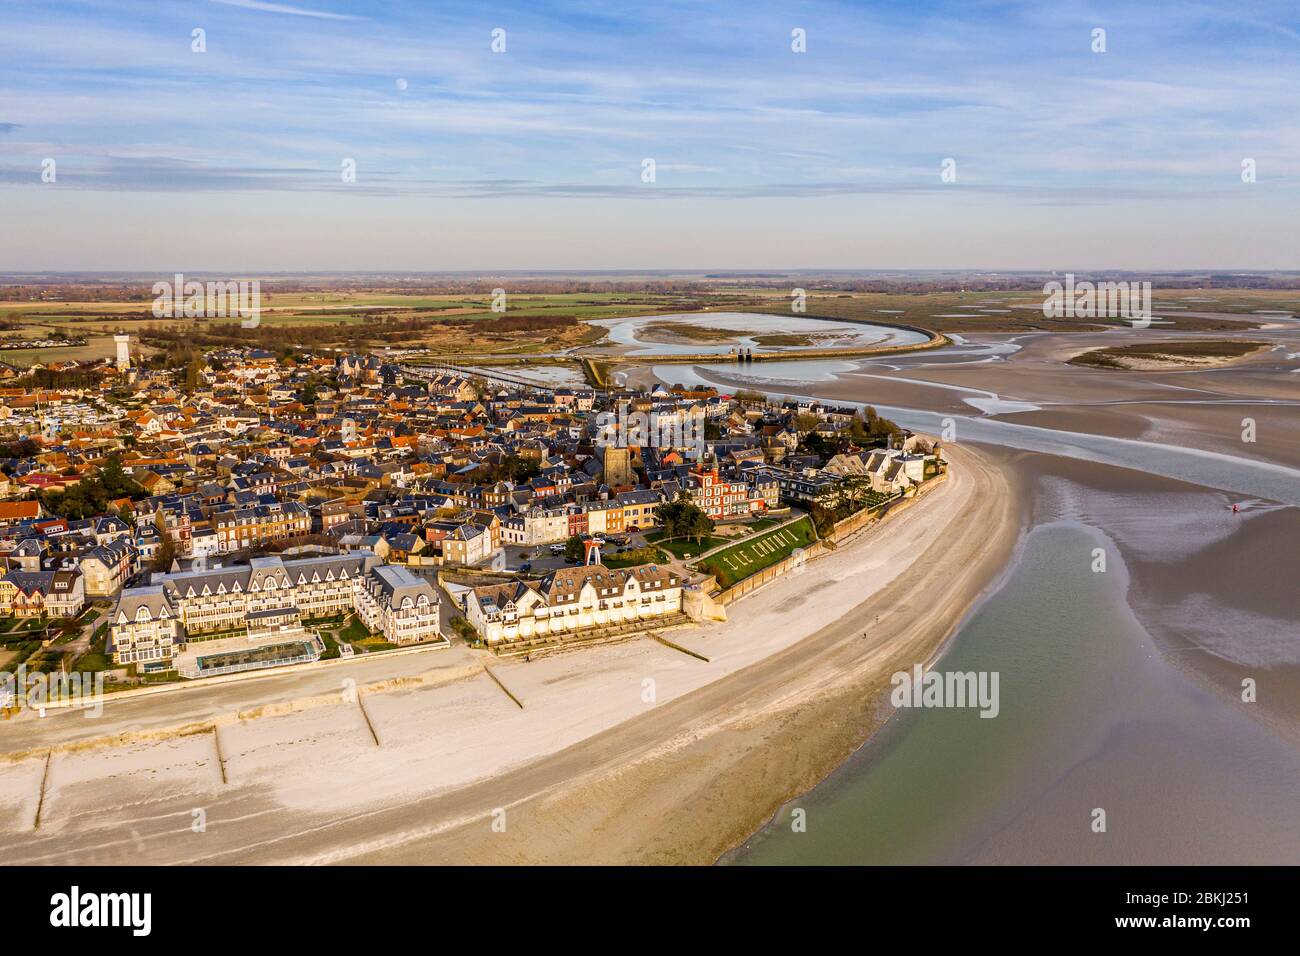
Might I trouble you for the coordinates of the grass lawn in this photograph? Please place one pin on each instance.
(166, 677)
(758, 552)
(684, 546)
(96, 657)
(331, 646)
(375, 643)
(631, 559)
(22, 652)
(68, 636)
(355, 632)
(45, 661)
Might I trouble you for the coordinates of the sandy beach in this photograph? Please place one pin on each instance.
(620, 754)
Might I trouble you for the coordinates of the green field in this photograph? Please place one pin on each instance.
(298, 308)
(758, 552)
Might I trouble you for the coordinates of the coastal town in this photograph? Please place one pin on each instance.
(253, 509)
(512, 434)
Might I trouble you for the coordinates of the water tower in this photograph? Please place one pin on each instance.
(123, 342)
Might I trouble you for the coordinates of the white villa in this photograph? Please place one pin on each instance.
(572, 599)
(889, 470)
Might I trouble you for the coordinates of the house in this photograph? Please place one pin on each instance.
(639, 508)
(720, 498)
(37, 593)
(249, 527)
(801, 487)
(204, 543)
(145, 627)
(11, 511)
(469, 543)
(107, 567)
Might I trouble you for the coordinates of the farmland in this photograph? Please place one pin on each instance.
(464, 319)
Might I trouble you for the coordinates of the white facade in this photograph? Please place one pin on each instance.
(573, 599)
(388, 599)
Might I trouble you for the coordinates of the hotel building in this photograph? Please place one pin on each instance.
(150, 622)
(573, 599)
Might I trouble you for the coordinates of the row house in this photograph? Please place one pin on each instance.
(640, 508)
(623, 512)
(571, 600)
(261, 524)
(604, 517)
(178, 525)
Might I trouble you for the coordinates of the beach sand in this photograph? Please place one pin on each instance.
(695, 778)
(593, 769)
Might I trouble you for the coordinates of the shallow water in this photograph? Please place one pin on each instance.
(1090, 717)
(631, 331)
(1194, 465)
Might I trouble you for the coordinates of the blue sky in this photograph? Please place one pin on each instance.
(532, 158)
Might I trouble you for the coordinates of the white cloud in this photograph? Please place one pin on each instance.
(285, 8)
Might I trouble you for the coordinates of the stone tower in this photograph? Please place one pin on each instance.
(618, 466)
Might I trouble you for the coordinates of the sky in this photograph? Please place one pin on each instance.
(535, 154)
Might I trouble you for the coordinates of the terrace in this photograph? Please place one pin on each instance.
(233, 655)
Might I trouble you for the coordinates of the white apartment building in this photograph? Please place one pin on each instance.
(572, 599)
(145, 627)
(536, 526)
(398, 604)
(150, 621)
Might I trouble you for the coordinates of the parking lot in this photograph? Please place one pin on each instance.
(543, 561)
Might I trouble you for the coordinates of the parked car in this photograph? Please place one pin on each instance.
(525, 567)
